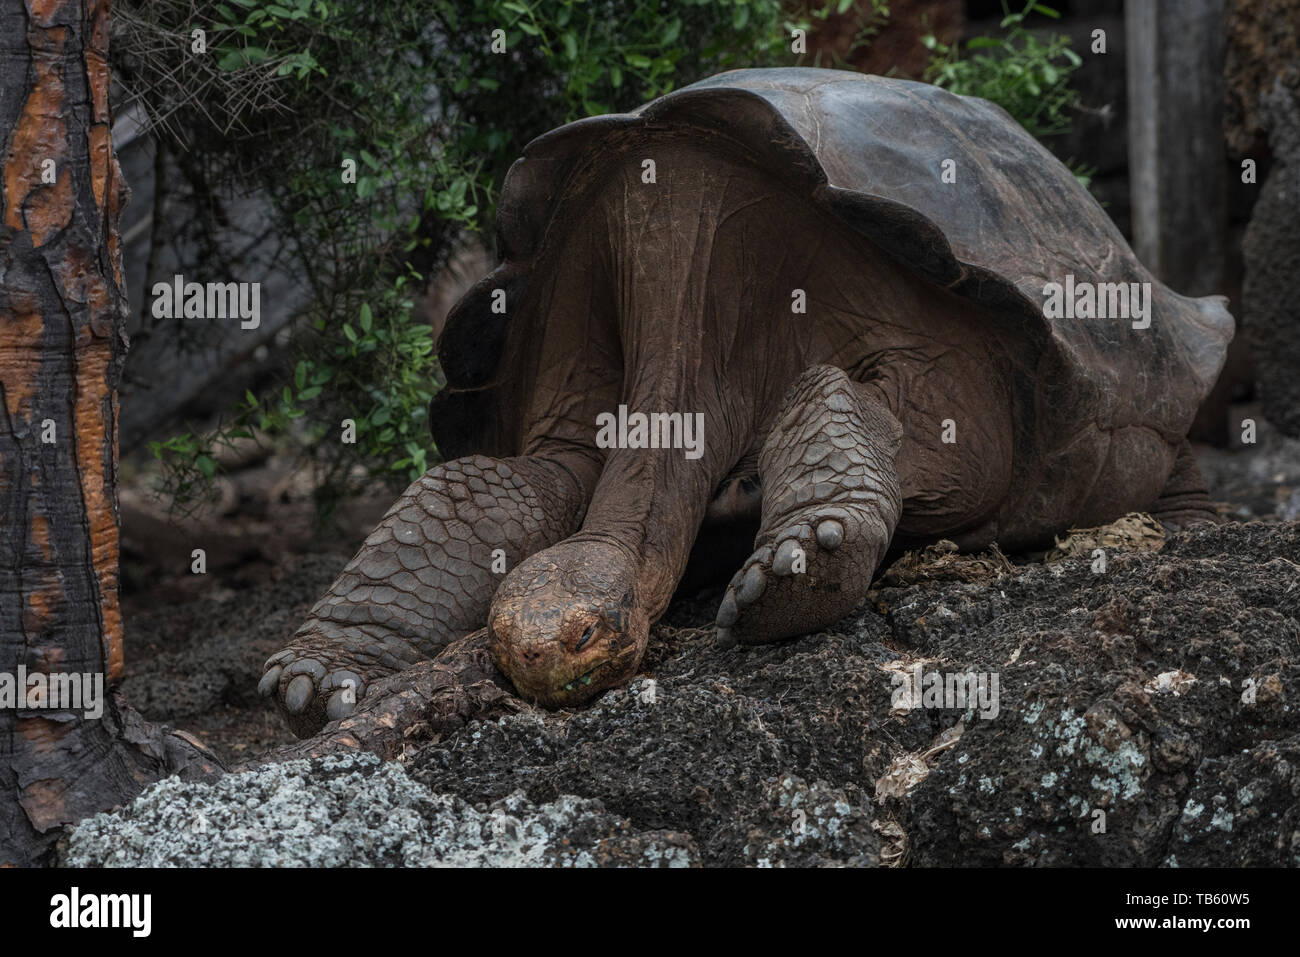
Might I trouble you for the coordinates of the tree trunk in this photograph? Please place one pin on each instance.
(62, 314)
(1177, 166)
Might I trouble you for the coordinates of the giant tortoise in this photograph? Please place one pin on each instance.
(852, 286)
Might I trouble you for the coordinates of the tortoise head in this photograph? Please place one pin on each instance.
(565, 625)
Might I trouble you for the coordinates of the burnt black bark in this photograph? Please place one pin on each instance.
(62, 313)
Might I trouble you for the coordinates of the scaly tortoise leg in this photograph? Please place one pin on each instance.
(1185, 501)
(422, 579)
(830, 504)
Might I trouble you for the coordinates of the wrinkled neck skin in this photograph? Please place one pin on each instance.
(671, 279)
(675, 323)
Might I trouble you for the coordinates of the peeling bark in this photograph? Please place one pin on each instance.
(62, 345)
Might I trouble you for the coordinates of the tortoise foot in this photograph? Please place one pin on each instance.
(322, 675)
(830, 504)
(815, 570)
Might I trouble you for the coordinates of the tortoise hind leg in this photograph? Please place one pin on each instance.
(830, 504)
(1185, 501)
(424, 577)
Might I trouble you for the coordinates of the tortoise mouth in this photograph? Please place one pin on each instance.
(584, 687)
(585, 678)
(557, 680)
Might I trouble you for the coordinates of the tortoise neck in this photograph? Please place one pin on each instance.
(676, 430)
(654, 490)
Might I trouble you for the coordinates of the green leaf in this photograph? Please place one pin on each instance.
(231, 60)
(206, 465)
(367, 318)
(636, 61)
(347, 331)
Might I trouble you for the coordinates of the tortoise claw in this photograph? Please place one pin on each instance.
(341, 704)
(751, 587)
(830, 534)
(728, 611)
(299, 694)
(270, 681)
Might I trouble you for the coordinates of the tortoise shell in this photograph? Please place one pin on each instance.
(870, 150)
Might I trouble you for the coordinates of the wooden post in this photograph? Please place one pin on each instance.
(1175, 52)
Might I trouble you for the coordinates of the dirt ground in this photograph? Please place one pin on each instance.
(195, 643)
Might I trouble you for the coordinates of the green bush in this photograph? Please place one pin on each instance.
(1026, 76)
(431, 117)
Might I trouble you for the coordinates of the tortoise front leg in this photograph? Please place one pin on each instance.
(830, 503)
(423, 578)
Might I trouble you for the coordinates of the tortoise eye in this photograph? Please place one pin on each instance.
(586, 636)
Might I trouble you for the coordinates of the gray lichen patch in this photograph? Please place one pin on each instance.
(353, 811)
(807, 825)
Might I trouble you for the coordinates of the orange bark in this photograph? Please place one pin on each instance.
(62, 306)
